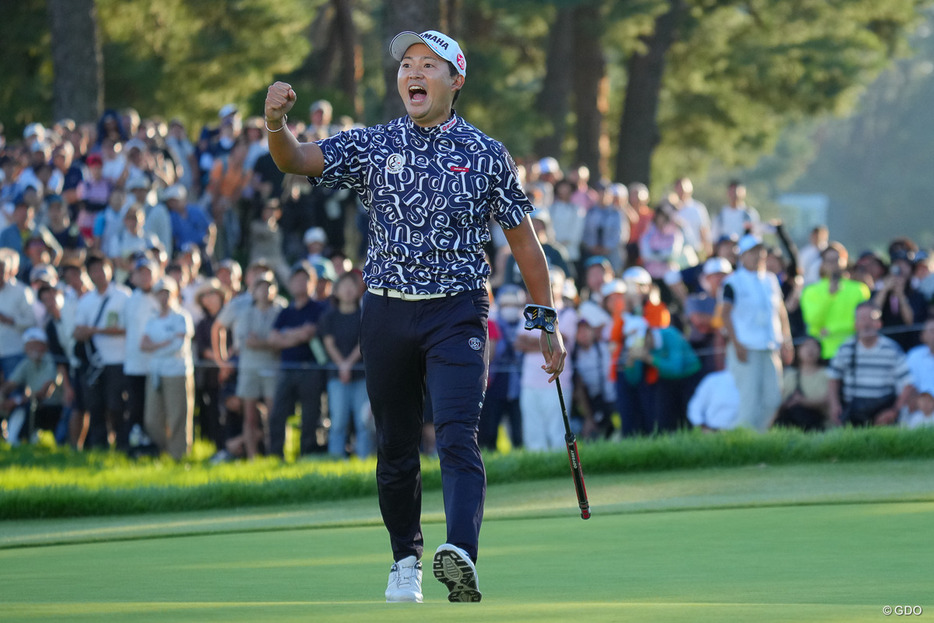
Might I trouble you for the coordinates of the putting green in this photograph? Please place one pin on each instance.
(794, 543)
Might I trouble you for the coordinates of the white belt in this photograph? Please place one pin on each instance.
(396, 294)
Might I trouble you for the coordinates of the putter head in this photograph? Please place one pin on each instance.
(540, 317)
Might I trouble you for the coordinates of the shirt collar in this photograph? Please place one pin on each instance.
(436, 130)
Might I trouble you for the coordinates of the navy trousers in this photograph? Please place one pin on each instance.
(408, 346)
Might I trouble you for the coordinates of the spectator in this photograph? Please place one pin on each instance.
(39, 386)
(597, 273)
(182, 153)
(108, 223)
(661, 244)
(210, 297)
(170, 385)
(704, 322)
(300, 380)
(736, 218)
(140, 308)
(902, 306)
(22, 229)
(266, 238)
(59, 326)
(503, 385)
(542, 422)
(65, 233)
(715, 403)
(828, 305)
(694, 218)
(16, 312)
(257, 370)
(923, 415)
(811, 255)
(640, 217)
(756, 326)
(869, 377)
(129, 243)
(595, 395)
(347, 398)
(189, 222)
(920, 360)
(606, 227)
(507, 271)
(636, 391)
(668, 352)
(567, 219)
(320, 114)
(805, 400)
(100, 323)
(226, 185)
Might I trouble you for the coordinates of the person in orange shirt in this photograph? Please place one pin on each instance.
(636, 380)
(227, 181)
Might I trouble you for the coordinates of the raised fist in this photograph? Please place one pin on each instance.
(279, 100)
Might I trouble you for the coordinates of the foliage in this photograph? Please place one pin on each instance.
(26, 87)
(43, 482)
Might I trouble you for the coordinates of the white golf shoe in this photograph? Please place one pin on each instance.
(453, 568)
(405, 581)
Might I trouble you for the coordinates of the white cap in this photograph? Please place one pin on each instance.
(717, 265)
(616, 286)
(176, 191)
(315, 234)
(548, 165)
(749, 242)
(33, 129)
(438, 42)
(638, 275)
(35, 334)
(227, 110)
(166, 284)
(593, 314)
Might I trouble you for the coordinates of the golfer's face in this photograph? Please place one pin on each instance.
(426, 86)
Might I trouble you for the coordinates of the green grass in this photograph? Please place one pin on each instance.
(46, 482)
(803, 542)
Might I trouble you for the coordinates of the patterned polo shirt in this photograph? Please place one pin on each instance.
(430, 193)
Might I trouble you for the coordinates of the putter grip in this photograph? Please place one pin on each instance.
(578, 474)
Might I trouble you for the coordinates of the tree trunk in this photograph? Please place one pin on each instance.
(399, 15)
(638, 128)
(77, 60)
(590, 89)
(351, 62)
(552, 101)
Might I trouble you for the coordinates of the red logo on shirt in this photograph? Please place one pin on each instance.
(457, 169)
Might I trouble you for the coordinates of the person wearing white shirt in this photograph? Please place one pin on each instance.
(16, 312)
(756, 325)
(100, 321)
(567, 220)
(715, 403)
(735, 218)
(170, 386)
(693, 218)
(141, 306)
(923, 415)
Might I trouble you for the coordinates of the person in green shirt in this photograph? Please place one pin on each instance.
(829, 305)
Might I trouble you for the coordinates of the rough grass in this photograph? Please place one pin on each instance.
(48, 482)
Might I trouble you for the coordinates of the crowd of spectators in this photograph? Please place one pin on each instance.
(154, 287)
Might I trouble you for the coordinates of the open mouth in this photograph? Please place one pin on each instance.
(417, 94)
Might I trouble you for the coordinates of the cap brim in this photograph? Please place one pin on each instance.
(403, 41)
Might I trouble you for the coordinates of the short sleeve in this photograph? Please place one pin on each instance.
(344, 160)
(509, 202)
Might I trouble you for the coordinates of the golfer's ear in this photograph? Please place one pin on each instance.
(458, 83)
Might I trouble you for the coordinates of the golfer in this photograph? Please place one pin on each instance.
(430, 182)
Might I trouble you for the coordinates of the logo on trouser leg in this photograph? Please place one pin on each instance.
(475, 343)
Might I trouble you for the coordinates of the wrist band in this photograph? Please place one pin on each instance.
(266, 123)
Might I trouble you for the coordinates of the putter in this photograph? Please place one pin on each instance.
(544, 318)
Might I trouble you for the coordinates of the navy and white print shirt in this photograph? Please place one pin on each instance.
(430, 193)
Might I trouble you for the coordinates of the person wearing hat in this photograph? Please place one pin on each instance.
(33, 394)
(140, 308)
(758, 334)
(320, 114)
(64, 231)
(170, 385)
(189, 222)
(210, 298)
(300, 379)
(736, 218)
(606, 227)
(594, 391)
(23, 229)
(700, 309)
(430, 182)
